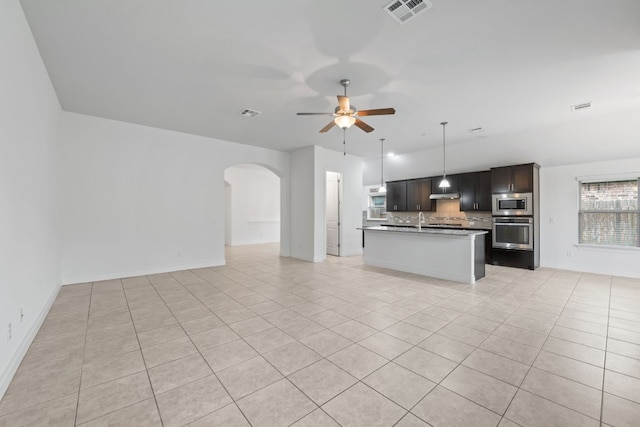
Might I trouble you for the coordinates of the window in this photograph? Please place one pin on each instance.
(608, 213)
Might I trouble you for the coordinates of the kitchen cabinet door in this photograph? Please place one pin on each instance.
(512, 179)
(501, 180)
(397, 196)
(468, 192)
(483, 191)
(522, 178)
(475, 191)
(418, 192)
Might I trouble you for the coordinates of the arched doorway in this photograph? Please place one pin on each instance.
(252, 205)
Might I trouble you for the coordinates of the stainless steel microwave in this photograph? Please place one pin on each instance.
(512, 204)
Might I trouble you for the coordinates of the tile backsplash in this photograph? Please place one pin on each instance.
(447, 212)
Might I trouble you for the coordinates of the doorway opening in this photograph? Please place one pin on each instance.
(332, 212)
(252, 205)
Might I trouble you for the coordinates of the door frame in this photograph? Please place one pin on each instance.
(339, 212)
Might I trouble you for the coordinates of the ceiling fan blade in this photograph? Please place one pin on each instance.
(362, 125)
(376, 112)
(343, 101)
(327, 127)
(315, 114)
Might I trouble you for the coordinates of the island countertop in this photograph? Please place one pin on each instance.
(425, 230)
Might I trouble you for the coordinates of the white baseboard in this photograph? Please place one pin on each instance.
(252, 242)
(589, 269)
(353, 252)
(134, 273)
(16, 359)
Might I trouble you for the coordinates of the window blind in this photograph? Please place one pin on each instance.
(608, 213)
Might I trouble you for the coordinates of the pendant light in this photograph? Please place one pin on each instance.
(445, 182)
(382, 188)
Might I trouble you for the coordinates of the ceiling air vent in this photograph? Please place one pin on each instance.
(249, 113)
(581, 107)
(404, 10)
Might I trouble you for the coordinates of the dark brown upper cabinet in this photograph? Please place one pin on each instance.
(396, 196)
(512, 179)
(475, 191)
(418, 192)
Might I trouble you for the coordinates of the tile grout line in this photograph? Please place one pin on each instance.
(144, 361)
(84, 349)
(606, 345)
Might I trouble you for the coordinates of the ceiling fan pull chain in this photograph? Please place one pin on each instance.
(344, 142)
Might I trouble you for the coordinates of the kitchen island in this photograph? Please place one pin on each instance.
(456, 255)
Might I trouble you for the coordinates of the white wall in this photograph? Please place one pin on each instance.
(308, 181)
(559, 221)
(350, 167)
(138, 200)
(303, 205)
(29, 262)
(255, 205)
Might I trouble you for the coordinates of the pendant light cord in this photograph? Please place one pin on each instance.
(381, 162)
(444, 156)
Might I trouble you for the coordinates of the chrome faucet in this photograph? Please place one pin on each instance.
(420, 220)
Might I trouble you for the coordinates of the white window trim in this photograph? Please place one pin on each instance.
(598, 178)
(608, 177)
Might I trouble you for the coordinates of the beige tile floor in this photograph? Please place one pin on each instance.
(270, 341)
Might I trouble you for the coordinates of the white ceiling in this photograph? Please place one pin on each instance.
(191, 66)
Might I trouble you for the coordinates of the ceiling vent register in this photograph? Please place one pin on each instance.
(580, 107)
(403, 10)
(247, 112)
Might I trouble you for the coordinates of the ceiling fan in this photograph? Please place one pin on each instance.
(346, 114)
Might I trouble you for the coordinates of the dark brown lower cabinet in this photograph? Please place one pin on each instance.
(514, 258)
(488, 248)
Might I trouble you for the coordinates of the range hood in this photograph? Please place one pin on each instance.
(439, 196)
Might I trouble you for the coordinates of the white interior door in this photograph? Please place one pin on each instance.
(332, 213)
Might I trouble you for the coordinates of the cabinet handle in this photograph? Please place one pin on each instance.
(418, 207)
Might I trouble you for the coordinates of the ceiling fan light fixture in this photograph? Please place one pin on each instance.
(345, 114)
(344, 122)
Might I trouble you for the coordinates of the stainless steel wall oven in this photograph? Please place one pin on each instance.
(513, 233)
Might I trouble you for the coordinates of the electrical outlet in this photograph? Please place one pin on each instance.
(9, 333)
